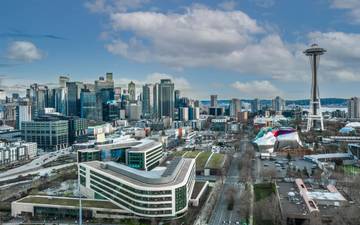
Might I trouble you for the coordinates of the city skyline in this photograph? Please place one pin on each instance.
(253, 49)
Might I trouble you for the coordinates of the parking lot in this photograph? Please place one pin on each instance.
(280, 164)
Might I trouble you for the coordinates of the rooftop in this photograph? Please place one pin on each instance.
(173, 174)
(134, 145)
(293, 200)
(63, 201)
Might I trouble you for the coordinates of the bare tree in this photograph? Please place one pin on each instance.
(269, 173)
(245, 199)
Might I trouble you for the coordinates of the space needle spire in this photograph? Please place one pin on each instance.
(315, 118)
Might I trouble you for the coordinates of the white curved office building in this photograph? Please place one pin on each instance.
(158, 193)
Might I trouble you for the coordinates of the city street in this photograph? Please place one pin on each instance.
(221, 215)
(34, 166)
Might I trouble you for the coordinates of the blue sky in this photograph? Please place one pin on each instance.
(242, 49)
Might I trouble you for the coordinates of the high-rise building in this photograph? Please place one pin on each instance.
(74, 90)
(50, 135)
(255, 105)
(101, 83)
(61, 100)
(88, 105)
(117, 93)
(132, 91)
(354, 108)
(194, 113)
(166, 98)
(111, 111)
(278, 104)
(177, 98)
(109, 77)
(23, 113)
(213, 101)
(184, 113)
(147, 100)
(134, 111)
(63, 80)
(38, 95)
(156, 100)
(235, 107)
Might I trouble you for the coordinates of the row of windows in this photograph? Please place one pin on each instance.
(154, 159)
(155, 155)
(154, 151)
(145, 212)
(180, 198)
(165, 192)
(141, 198)
(128, 200)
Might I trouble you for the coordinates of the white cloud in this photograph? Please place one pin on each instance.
(23, 51)
(257, 88)
(353, 6)
(340, 62)
(229, 40)
(228, 5)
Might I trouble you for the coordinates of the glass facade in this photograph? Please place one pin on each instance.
(136, 160)
(49, 135)
(89, 156)
(180, 198)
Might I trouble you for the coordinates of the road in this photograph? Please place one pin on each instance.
(220, 212)
(33, 165)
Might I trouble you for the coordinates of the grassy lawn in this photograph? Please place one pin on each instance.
(179, 153)
(263, 190)
(201, 160)
(351, 170)
(216, 161)
(69, 202)
(191, 154)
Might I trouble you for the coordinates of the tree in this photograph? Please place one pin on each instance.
(245, 199)
(269, 173)
(288, 156)
(230, 197)
(305, 172)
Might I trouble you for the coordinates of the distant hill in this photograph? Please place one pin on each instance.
(324, 101)
(302, 102)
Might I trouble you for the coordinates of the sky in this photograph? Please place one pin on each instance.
(236, 49)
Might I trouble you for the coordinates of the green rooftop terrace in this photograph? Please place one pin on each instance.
(86, 203)
(216, 161)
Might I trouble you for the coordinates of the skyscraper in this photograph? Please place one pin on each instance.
(23, 113)
(104, 92)
(235, 107)
(38, 95)
(61, 100)
(278, 104)
(63, 80)
(109, 77)
(354, 108)
(147, 101)
(213, 101)
(166, 98)
(132, 91)
(177, 98)
(88, 105)
(74, 90)
(255, 105)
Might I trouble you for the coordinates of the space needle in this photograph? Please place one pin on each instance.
(315, 118)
